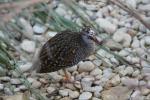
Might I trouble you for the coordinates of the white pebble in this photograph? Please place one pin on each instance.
(131, 3)
(130, 82)
(36, 84)
(86, 66)
(72, 69)
(115, 80)
(39, 29)
(55, 76)
(85, 96)
(129, 70)
(96, 71)
(15, 81)
(135, 43)
(73, 94)
(50, 90)
(61, 11)
(122, 36)
(25, 67)
(106, 25)
(51, 33)
(64, 92)
(1, 87)
(144, 7)
(28, 46)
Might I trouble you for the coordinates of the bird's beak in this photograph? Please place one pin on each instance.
(97, 40)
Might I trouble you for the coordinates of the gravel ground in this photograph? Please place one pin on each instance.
(98, 79)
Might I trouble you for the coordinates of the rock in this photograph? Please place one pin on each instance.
(61, 11)
(145, 91)
(116, 93)
(72, 69)
(144, 64)
(39, 29)
(85, 96)
(5, 79)
(145, 41)
(64, 92)
(148, 84)
(113, 45)
(22, 87)
(94, 98)
(25, 67)
(31, 80)
(36, 84)
(97, 62)
(131, 3)
(7, 91)
(87, 82)
(136, 73)
(27, 28)
(129, 70)
(73, 94)
(121, 36)
(15, 81)
(20, 96)
(1, 87)
(135, 43)
(65, 98)
(107, 73)
(106, 25)
(130, 82)
(95, 72)
(144, 7)
(136, 95)
(28, 46)
(51, 34)
(115, 80)
(55, 76)
(50, 90)
(86, 66)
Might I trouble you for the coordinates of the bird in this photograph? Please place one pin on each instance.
(67, 49)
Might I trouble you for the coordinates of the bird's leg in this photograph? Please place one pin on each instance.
(67, 77)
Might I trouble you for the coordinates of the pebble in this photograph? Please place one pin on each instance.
(73, 94)
(15, 81)
(61, 11)
(5, 79)
(115, 80)
(86, 66)
(39, 29)
(1, 87)
(28, 30)
(106, 25)
(97, 62)
(72, 69)
(95, 72)
(50, 90)
(85, 96)
(94, 98)
(64, 92)
(129, 70)
(135, 43)
(28, 46)
(25, 67)
(36, 84)
(121, 36)
(55, 76)
(7, 91)
(51, 33)
(130, 82)
(144, 7)
(131, 3)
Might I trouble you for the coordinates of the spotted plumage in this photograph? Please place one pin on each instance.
(66, 49)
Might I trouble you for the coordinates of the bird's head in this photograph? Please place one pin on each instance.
(90, 34)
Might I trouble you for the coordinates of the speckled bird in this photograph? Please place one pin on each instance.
(66, 49)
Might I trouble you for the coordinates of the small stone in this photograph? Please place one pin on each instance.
(130, 82)
(78, 85)
(123, 37)
(97, 62)
(36, 84)
(50, 90)
(64, 92)
(5, 79)
(31, 80)
(145, 91)
(131, 3)
(55, 76)
(94, 98)
(42, 80)
(51, 33)
(129, 70)
(135, 43)
(115, 80)
(116, 93)
(85, 96)
(72, 69)
(28, 46)
(106, 25)
(95, 72)
(7, 91)
(1, 87)
(144, 7)
(39, 29)
(16, 89)
(136, 73)
(22, 87)
(86, 66)
(25, 67)
(148, 84)
(15, 81)
(61, 11)
(73, 94)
